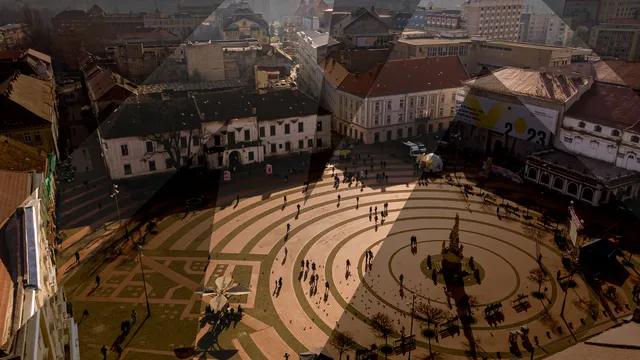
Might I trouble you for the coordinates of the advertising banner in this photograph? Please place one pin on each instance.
(269, 169)
(227, 175)
(527, 122)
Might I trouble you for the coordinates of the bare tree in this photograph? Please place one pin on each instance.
(538, 276)
(173, 129)
(342, 342)
(382, 326)
(429, 315)
(39, 37)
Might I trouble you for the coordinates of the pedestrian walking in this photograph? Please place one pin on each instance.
(237, 199)
(371, 165)
(99, 207)
(375, 211)
(285, 199)
(326, 286)
(280, 282)
(366, 256)
(97, 280)
(307, 262)
(77, 255)
(370, 210)
(381, 167)
(286, 252)
(103, 351)
(288, 227)
(401, 279)
(383, 175)
(357, 201)
(338, 198)
(387, 178)
(85, 313)
(298, 208)
(134, 316)
(302, 264)
(376, 218)
(313, 266)
(385, 164)
(348, 264)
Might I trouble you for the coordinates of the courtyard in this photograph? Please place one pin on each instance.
(291, 247)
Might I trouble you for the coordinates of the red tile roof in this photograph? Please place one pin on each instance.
(609, 105)
(618, 72)
(407, 76)
(15, 187)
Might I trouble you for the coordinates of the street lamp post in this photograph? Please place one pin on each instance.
(413, 303)
(144, 280)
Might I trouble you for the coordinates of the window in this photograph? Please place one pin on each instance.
(250, 155)
(400, 117)
(36, 136)
(568, 140)
(300, 144)
(310, 143)
(572, 189)
(388, 105)
(376, 120)
(152, 165)
(124, 149)
(149, 145)
(247, 135)
(272, 130)
(319, 142)
(594, 144)
(587, 194)
(439, 126)
(441, 112)
(598, 128)
(411, 102)
(195, 140)
(300, 127)
(183, 142)
(167, 163)
(231, 138)
(635, 139)
(532, 174)
(442, 98)
(262, 131)
(422, 101)
(558, 183)
(287, 128)
(273, 148)
(319, 126)
(401, 103)
(127, 169)
(615, 133)
(544, 179)
(388, 118)
(27, 138)
(399, 133)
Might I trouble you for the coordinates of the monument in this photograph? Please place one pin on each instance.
(452, 255)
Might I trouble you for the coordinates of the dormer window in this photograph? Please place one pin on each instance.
(598, 128)
(581, 124)
(635, 139)
(615, 132)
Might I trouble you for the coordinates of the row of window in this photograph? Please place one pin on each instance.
(36, 138)
(614, 132)
(559, 183)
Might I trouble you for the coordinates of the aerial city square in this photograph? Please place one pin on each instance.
(315, 179)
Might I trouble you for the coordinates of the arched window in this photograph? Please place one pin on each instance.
(581, 124)
(558, 183)
(544, 179)
(598, 128)
(635, 139)
(532, 174)
(587, 194)
(572, 189)
(615, 132)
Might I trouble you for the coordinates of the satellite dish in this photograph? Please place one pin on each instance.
(238, 290)
(218, 302)
(223, 282)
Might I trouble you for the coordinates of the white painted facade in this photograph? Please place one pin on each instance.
(394, 117)
(615, 146)
(129, 156)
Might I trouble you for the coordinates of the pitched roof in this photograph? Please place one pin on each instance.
(269, 106)
(38, 55)
(618, 72)
(531, 83)
(333, 71)
(609, 105)
(31, 93)
(17, 156)
(407, 76)
(150, 116)
(149, 34)
(15, 188)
